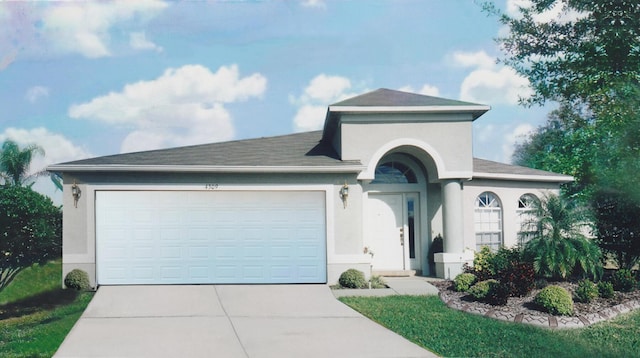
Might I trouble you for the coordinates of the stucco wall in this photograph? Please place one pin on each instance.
(509, 193)
(447, 138)
(344, 224)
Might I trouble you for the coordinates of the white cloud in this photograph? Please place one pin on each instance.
(488, 82)
(478, 59)
(314, 3)
(513, 137)
(138, 41)
(494, 86)
(78, 27)
(427, 90)
(57, 149)
(556, 11)
(316, 97)
(181, 107)
(35, 93)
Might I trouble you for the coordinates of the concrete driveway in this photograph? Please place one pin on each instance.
(228, 321)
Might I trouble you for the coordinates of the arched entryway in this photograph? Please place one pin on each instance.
(395, 201)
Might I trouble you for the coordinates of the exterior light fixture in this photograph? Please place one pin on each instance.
(344, 194)
(75, 192)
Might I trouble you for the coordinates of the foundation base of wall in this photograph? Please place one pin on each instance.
(449, 265)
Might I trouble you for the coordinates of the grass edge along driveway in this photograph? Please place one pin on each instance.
(428, 322)
(36, 314)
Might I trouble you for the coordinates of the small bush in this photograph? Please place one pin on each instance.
(77, 280)
(623, 280)
(480, 290)
(541, 283)
(586, 291)
(519, 277)
(377, 282)
(463, 281)
(352, 278)
(498, 294)
(555, 300)
(605, 289)
(483, 264)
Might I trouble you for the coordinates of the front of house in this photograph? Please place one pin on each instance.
(389, 172)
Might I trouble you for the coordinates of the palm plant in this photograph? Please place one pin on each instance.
(15, 162)
(558, 247)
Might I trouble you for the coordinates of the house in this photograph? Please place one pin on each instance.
(389, 172)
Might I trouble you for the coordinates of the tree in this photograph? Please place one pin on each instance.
(15, 162)
(586, 51)
(618, 227)
(558, 247)
(30, 231)
(567, 144)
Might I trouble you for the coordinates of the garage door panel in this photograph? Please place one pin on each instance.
(210, 237)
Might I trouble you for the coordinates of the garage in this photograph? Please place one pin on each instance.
(213, 236)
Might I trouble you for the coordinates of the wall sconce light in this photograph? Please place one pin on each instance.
(344, 194)
(75, 192)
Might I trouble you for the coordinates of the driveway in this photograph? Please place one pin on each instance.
(228, 321)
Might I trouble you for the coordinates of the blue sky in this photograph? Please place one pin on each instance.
(84, 79)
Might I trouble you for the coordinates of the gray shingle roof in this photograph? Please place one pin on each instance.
(384, 97)
(483, 168)
(294, 150)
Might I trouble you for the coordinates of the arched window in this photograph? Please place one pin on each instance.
(488, 221)
(527, 223)
(393, 172)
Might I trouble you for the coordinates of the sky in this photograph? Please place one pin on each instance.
(86, 79)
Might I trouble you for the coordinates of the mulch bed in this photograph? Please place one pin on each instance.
(525, 305)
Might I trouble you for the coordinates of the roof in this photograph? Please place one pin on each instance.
(384, 97)
(487, 169)
(301, 152)
(388, 101)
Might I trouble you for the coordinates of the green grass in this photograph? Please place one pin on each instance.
(426, 321)
(36, 313)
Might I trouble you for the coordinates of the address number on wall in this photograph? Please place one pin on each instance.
(211, 186)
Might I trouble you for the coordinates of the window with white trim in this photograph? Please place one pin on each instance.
(488, 221)
(393, 172)
(527, 222)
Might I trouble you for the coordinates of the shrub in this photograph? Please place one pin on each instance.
(504, 259)
(555, 300)
(605, 289)
(480, 290)
(463, 281)
(623, 280)
(482, 264)
(519, 277)
(541, 283)
(498, 294)
(377, 282)
(586, 291)
(352, 278)
(77, 280)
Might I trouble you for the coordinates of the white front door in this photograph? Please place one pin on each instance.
(392, 230)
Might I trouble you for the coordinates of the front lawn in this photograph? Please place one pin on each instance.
(36, 313)
(427, 321)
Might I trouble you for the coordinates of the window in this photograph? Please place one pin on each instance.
(488, 221)
(527, 222)
(394, 173)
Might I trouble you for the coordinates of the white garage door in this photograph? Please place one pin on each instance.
(173, 237)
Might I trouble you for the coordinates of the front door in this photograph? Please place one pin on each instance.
(392, 230)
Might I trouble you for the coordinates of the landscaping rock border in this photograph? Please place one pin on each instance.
(549, 321)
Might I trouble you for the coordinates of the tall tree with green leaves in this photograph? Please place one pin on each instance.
(15, 162)
(587, 52)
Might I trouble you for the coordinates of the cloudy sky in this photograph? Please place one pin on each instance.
(84, 79)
